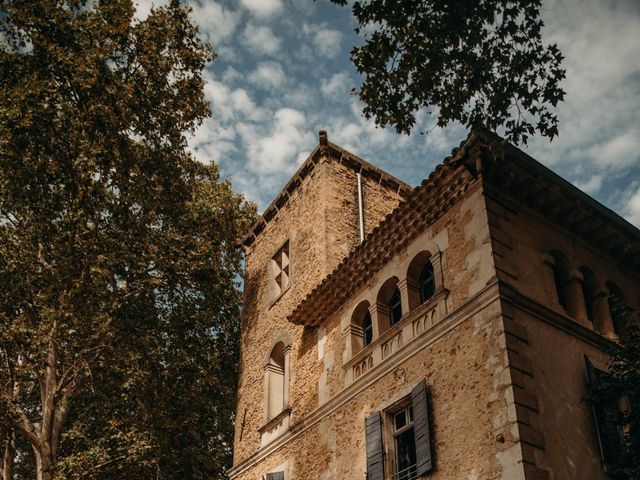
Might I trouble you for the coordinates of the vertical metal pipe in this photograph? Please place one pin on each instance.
(360, 207)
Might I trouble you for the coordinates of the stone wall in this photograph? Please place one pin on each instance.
(461, 354)
(321, 223)
(546, 345)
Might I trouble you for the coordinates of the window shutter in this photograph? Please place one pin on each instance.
(375, 459)
(421, 429)
(604, 415)
(275, 476)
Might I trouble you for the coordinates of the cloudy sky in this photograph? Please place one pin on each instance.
(283, 73)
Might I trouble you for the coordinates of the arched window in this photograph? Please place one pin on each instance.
(421, 279)
(395, 306)
(367, 329)
(426, 282)
(389, 305)
(276, 381)
(361, 328)
(618, 309)
(561, 269)
(590, 290)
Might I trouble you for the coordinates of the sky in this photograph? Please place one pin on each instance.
(283, 73)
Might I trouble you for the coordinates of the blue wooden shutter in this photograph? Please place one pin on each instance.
(375, 457)
(421, 428)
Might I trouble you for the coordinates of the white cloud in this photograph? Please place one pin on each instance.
(261, 39)
(632, 209)
(268, 75)
(143, 7)
(214, 20)
(337, 87)
(590, 186)
(230, 104)
(281, 149)
(618, 152)
(326, 42)
(263, 8)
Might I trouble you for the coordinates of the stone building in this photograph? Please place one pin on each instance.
(439, 332)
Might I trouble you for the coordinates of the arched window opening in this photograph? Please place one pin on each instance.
(395, 306)
(275, 372)
(590, 291)
(421, 279)
(426, 282)
(367, 328)
(618, 308)
(361, 328)
(561, 269)
(388, 305)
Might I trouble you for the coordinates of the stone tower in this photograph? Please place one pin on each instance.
(301, 237)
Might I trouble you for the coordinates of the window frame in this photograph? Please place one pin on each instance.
(277, 290)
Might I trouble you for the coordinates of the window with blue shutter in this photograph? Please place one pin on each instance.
(409, 438)
(375, 455)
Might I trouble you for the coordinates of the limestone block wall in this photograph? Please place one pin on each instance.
(522, 242)
(462, 355)
(464, 365)
(546, 343)
(320, 223)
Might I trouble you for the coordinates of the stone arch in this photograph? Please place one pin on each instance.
(591, 290)
(616, 302)
(389, 304)
(361, 326)
(277, 380)
(562, 269)
(421, 279)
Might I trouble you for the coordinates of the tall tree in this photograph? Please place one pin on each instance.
(475, 62)
(118, 252)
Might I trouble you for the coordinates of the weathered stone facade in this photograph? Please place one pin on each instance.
(500, 349)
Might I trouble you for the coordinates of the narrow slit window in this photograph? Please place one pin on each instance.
(281, 269)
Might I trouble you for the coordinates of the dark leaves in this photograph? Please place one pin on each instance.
(476, 62)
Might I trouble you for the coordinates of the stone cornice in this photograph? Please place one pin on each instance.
(508, 170)
(328, 151)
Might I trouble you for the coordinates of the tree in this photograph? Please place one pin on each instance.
(480, 62)
(615, 398)
(118, 251)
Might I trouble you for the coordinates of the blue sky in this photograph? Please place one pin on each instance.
(283, 73)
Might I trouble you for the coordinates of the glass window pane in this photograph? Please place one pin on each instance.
(406, 455)
(400, 420)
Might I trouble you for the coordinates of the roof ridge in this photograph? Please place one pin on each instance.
(323, 148)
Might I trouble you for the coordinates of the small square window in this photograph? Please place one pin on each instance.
(281, 270)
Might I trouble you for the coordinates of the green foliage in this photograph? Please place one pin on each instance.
(119, 257)
(622, 381)
(475, 62)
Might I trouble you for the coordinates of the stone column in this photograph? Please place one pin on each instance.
(574, 298)
(404, 296)
(379, 319)
(602, 315)
(436, 262)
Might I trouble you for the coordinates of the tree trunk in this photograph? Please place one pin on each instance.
(9, 456)
(44, 464)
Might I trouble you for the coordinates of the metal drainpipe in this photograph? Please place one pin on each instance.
(360, 207)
